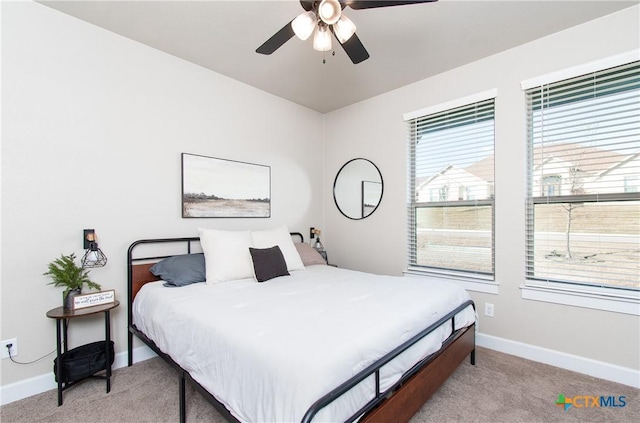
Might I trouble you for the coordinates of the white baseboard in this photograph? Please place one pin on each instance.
(599, 369)
(26, 388)
(36, 385)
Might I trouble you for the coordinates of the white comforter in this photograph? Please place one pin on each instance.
(269, 350)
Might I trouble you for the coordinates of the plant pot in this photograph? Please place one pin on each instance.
(67, 301)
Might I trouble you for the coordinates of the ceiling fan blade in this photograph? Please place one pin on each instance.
(277, 40)
(307, 4)
(355, 50)
(370, 4)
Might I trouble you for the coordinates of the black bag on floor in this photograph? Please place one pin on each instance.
(83, 361)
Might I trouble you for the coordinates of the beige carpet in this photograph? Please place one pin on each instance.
(500, 388)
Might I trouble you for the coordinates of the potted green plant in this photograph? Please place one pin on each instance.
(72, 278)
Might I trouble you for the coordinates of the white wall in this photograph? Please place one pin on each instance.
(374, 129)
(93, 125)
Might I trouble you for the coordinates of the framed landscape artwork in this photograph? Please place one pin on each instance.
(214, 187)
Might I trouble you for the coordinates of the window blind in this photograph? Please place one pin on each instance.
(451, 191)
(583, 200)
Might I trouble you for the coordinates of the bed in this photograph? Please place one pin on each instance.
(319, 344)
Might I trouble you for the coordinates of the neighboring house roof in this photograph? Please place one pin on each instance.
(452, 174)
(587, 159)
(426, 180)
(440, 173)
(483, 169)
(595, 161)
(622, 163)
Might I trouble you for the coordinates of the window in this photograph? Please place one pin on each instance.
(451, 215)
(551, 185)
(631, 183)
(583, 206)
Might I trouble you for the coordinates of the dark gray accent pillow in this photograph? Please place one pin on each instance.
(268, 263)
(181, 270)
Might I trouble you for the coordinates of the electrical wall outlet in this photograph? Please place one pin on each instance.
(14, 348)
(488, 309)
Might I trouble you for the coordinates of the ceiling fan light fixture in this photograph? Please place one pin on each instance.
(304, 24)
(344, 29)
(322, 38)
(329, 11)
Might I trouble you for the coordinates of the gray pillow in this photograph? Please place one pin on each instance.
(268, 263)
(180, 270)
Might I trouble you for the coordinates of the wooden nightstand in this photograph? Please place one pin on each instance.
(62, 317)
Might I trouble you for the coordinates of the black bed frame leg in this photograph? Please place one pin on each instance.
(473, 357)
(130, 348)
(183, 408)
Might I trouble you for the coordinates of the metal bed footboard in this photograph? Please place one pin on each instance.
(374, 369)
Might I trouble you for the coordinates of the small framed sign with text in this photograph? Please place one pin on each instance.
(94, 299)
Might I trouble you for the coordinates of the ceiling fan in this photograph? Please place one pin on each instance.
(325, 17)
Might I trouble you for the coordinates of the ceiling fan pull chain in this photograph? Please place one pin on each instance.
(324, 57)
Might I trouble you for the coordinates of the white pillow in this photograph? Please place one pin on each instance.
(282, 238)
(226, 255)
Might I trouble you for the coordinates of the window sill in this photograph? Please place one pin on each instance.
(604, 300)
(470, 284)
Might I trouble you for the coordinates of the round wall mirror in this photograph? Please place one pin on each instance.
(358, 188)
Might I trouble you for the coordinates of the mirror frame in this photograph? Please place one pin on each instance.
(335, 200)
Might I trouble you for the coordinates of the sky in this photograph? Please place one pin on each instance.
(225, 178)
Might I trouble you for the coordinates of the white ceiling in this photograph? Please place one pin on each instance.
(406, 43)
